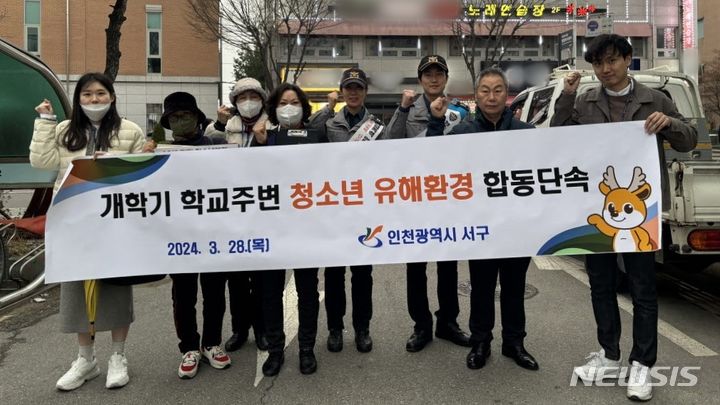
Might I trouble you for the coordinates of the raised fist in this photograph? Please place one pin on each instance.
(332, 99)
(572, 81)
(408, 98)
(260, 131)
(45, 107)
(439, 107)
(224, 113)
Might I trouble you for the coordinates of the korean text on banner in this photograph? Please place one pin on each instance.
(569, 190)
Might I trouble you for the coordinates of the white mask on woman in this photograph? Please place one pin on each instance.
(249, 108)
(95, 112)
(289, 115)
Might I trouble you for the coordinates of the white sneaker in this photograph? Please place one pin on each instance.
(189, 365)
(117, 375)
(639, 388)
(216, 356)
(598, 368)
(81, 370)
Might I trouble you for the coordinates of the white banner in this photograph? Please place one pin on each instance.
(501, 194)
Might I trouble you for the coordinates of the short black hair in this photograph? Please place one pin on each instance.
(274, 99)
(607, 43)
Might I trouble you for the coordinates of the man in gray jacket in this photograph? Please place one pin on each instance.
(341, 127)
(621, 98)
(411, 120)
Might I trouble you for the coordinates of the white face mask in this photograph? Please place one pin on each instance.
(289, 115)
(249, 108)
(95, 112)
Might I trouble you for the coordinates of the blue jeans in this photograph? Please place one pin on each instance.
(602, 272)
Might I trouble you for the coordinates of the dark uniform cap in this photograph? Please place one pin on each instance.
(432, 60)
(353, 75)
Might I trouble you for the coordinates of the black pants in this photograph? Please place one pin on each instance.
(640, 268)
(417, 298)
(184, 296)
(483, 280)
(306, 282)
(245, 290)
(335, 305)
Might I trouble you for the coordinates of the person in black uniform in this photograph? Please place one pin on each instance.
(289, 109)
(410, 121)
(492, 115)
(341, 127)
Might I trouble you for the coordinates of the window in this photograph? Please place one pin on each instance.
(401, 47)
(517, 105)
(521, 47)
(154, 112)
(457, 50)
(582, 44)
(539, 106)
(701, 28)
(666, 42)
(154, 39)
(638, 45)
(32, 26)
(322, 47)
(549, 46)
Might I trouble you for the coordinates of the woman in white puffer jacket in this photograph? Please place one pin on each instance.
(94, 128)
(235, 123)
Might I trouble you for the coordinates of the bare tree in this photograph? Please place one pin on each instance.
(269, 26)
(112, 38)
(491, 30)
(710, 88)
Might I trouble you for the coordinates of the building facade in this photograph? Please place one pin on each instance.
(160, 54)
(389, 52)
(708, 20)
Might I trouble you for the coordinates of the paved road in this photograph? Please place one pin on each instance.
(560, 334)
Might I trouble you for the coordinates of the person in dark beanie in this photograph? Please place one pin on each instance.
(409, 121)
(182, 116)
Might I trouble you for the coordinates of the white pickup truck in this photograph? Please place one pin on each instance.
(691, 225)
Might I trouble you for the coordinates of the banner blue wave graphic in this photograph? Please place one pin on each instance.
(580, 231)
(67, 192)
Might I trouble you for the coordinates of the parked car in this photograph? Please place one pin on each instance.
(25, 81)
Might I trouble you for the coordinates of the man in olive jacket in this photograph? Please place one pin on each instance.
(621, 98)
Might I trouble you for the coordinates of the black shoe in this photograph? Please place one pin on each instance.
(418, 340)
(478, 356)
(261, 342)
(335, 340)
(363, 341)
(453, 333)
(308, 364)
(235, 342)
(521, 357)
(272, 365)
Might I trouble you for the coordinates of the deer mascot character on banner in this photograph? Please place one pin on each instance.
(624, 212)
